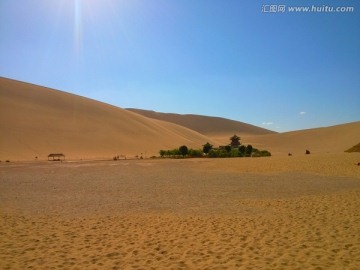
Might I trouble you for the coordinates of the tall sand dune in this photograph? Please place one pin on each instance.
(36, 121)
(333, 139)
(215, 127)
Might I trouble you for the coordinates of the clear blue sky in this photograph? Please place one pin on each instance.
(282, 71)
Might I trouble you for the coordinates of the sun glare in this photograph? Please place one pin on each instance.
(95, 12)
(77, 25)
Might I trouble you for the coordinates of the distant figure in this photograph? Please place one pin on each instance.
(307, 152)
(289, 154)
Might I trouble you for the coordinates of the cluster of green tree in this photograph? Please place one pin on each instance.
(182, 151)
(241, 151)
(234, 149)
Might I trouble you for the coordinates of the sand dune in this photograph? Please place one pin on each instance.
(36, 121)
(355, 148)
(299, 212)
(208, 125)
(334, 139)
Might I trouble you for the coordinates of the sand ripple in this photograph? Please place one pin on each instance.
(270, 222)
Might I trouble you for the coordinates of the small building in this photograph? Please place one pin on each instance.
(56, 157)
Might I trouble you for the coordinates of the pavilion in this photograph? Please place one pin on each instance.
(56, 157)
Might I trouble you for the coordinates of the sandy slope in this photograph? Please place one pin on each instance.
(334, 139)
(207, 125)
(36, 121)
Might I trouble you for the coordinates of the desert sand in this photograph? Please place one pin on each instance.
(90, 212)
(299, 212)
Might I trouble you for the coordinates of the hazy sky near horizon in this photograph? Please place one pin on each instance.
(228, 58)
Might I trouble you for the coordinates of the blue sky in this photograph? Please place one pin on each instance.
(279, 70)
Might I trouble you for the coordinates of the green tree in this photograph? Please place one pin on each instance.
(183, 150)
(162, 153)
(223, 153)
(242, 150)
(234, 153)
(207, 147)
(213, 153)
(175, 152)
(195, 153)
(248, 150)
(265, 153)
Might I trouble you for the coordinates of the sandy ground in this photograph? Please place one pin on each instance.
(256, 213)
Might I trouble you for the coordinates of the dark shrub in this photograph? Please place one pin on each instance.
(213, 153)
(162, 153)
(183, 150)
(242, 150)
(207, 147)
(234, 153)
(195, 153)
(265, 153)
(262, 153)
(248, 150)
